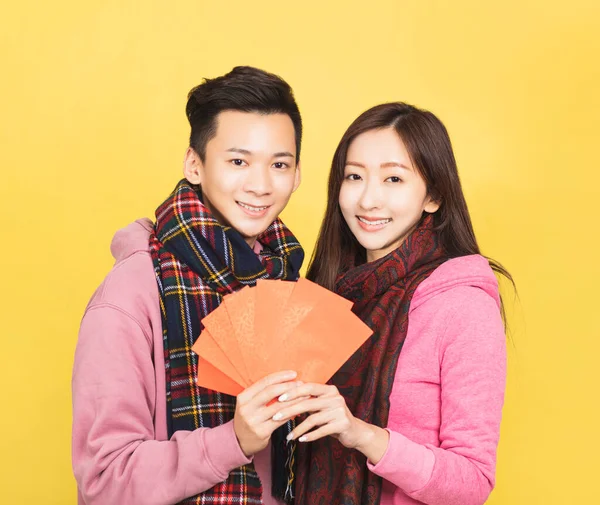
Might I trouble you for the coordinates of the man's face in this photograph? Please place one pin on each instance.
(249, 171)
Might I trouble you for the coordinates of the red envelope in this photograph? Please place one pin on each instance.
(277, 325)
(212, 378)
(219, 357)
(218, 323)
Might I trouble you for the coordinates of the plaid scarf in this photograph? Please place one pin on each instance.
(197, 261)
(382, 291)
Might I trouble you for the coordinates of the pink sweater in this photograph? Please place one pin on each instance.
(445, 406)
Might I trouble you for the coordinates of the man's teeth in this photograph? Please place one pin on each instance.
(249, 207)
(374, 223)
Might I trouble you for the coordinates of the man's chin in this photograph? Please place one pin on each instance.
(253, 229)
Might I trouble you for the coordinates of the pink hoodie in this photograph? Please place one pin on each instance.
(445, 406)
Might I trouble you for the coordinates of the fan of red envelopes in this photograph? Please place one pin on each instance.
(277, 325)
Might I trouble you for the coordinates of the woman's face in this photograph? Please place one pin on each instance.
(383, 196)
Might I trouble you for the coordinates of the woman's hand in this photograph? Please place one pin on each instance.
(330, 416)
(253, 421)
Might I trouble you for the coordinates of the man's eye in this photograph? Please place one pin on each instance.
(237, 162)
(280, 164)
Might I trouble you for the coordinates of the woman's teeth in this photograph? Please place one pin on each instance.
(374, 223)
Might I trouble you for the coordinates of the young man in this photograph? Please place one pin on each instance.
(144, 432)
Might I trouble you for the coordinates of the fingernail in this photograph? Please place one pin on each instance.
(302, 439)
(290, 437)
(283, 398)
(277, 416)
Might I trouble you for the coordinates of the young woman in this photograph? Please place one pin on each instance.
(414, 415)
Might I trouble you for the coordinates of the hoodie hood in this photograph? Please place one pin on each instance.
(131, 239)
(136, 238)
(473, 271)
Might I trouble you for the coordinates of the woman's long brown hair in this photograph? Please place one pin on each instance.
(429, 147)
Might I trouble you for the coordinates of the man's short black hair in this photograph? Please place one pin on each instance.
(245, 89)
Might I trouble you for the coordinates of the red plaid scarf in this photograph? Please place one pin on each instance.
(197, 261)
(382, 291)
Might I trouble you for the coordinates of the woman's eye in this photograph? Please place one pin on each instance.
(238, 163)
(394, 179)
(353, 177)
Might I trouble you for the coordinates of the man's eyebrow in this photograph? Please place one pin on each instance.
(238, 150)
(282, 154)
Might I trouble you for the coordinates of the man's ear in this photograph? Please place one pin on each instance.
(192, 167)
(431, 205)
(298, 177)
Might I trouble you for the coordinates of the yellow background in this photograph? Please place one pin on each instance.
(93, 132)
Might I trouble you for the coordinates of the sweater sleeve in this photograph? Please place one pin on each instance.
(116, 459)
(461, 471)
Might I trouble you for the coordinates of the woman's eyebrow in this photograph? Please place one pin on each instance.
(355, 164)
(387, 164)
(395, 164)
